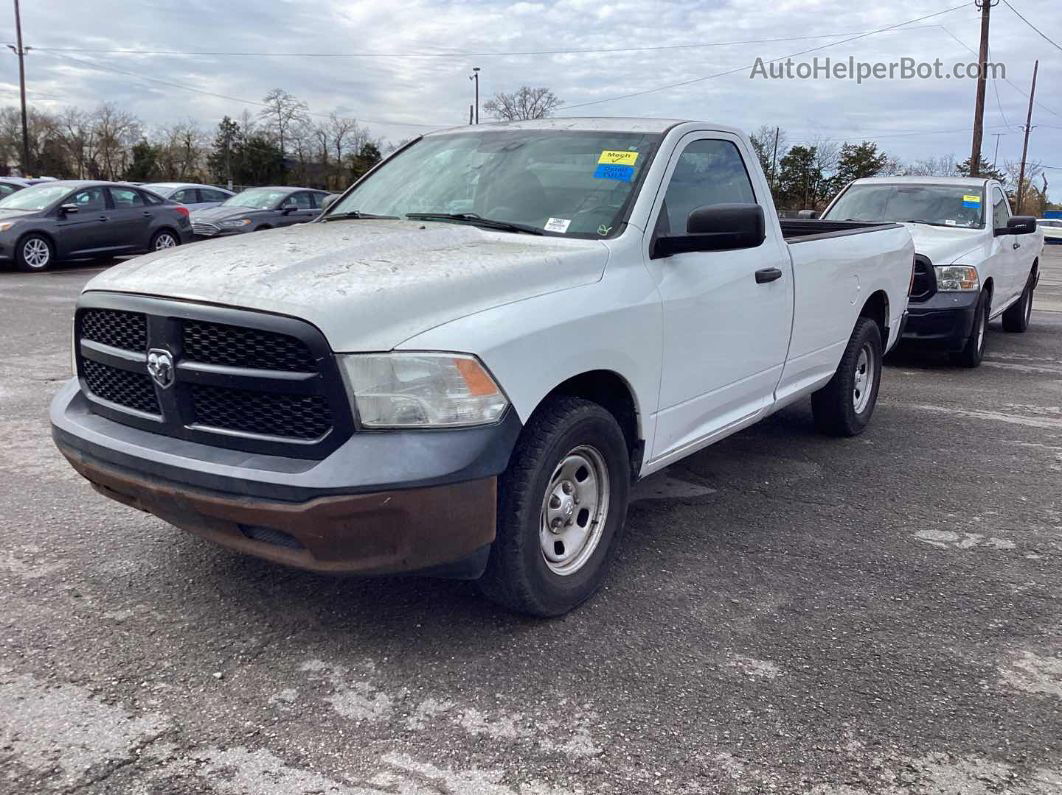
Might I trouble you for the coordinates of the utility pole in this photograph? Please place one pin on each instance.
(470, 114)
(774, 157)
(1025, 148)
(982, 77)
(475, 77)
(20, 51)
(995, 157)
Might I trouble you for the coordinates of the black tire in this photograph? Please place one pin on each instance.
(34, 253)
(841, 408)
(1016, 318)
(518, 575)
(974, 350)
(163, 234)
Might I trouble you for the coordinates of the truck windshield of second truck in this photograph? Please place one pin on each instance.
(936, 205)
(572, 183)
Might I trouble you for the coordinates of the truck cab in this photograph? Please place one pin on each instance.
(976, 260)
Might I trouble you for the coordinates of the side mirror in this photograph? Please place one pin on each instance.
(809, 215)
(717, 227)
(69, 209)
(288, 209)
(1018, 225)
(329, 200)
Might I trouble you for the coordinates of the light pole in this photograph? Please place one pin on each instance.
(475, 78)
(21, 51)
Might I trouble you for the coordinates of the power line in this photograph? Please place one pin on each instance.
(773, 60)
(1043, 35)
(230, 98)
(450, 54)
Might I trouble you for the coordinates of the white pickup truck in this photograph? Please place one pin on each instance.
(975, 260)
(460, 368)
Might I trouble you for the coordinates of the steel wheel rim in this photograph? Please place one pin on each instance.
(36, 253)
(574, 510)
(165, 240)
(864, 379)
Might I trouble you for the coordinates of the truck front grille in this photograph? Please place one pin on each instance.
(125, 388)
(229, 378)
(925, 279)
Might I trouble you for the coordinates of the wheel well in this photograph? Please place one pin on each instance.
(990, 287)
(877, 309)
(38, 233)
(162, 229)
(611, 391)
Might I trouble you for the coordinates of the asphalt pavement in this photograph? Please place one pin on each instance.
(788, 613)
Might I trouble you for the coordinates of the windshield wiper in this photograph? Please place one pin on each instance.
(357, 214)
(931, 223)
(477, 220)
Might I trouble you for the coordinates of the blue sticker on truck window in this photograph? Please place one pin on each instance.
(608, 171)
(971, 201)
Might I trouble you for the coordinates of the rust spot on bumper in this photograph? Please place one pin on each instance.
(384, 532)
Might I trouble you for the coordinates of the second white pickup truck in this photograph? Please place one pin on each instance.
(975, 261)
(462, 366)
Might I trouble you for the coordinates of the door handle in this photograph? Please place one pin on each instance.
(104, 218)
(767, 275)
(147, 213)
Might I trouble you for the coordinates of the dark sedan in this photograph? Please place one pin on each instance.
(45, 223)
(259, 208)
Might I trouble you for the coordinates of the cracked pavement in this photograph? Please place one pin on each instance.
(788, 613)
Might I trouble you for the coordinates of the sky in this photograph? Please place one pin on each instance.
(405, 64)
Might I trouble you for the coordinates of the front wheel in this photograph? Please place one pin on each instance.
(974, 350)
(164, 239)
(561, 507)
(844, 406)
(1016, 318)
(34, 253)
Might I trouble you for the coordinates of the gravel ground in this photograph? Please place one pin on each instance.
(789, 613)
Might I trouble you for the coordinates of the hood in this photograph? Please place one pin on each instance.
(947, 246)
(368, 285)
(215, 214)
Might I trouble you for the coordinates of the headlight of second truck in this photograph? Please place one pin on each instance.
(422, 390)
(957, 278)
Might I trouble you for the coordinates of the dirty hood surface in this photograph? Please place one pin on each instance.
(367, 284)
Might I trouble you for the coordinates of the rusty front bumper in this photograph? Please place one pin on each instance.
(443, 530)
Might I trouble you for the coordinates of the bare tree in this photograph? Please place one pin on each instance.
(282, 112)
(933, 167)
(524, 103)
(115, 132)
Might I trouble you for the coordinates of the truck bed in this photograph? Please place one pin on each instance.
(800, 230)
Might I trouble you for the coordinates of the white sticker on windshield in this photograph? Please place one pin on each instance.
(951, 223)
(557, 224)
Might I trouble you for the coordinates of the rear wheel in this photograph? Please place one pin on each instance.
(1016, 318)
(34, 253)
(974, 350)
(163, 239)
(561, 507)
(844, 406)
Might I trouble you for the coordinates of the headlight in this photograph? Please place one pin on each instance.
(235, 222)
(422, 390)
(7, 225)
(955, 278)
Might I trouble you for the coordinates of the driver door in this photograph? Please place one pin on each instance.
(88, 229)
(727, 315)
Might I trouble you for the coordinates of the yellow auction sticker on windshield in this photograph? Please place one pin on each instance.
(615, 157)
(971, 201)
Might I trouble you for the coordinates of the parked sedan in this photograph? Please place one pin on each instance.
(59, 220)
(259, 208)
(191, 195)
(1052, 229)
(9, 185)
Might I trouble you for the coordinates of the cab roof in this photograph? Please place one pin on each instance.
(588, 124)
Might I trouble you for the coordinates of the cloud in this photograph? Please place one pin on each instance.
(407, 88)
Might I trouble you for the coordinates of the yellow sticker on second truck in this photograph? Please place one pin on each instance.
(616, 157)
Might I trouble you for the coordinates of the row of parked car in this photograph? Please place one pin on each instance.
(43, 222)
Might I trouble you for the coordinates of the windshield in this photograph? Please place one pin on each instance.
(35, 198)
(256, 199)
(577, 184)
(939, 205)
